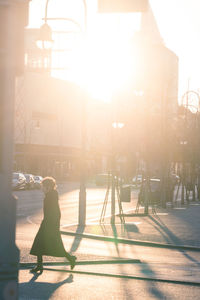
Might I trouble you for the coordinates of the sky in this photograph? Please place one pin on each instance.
(178, 22)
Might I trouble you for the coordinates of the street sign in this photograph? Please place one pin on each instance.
(122, 6)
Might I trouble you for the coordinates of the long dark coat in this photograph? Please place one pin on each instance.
(48, 239)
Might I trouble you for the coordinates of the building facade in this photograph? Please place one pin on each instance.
(49, 121)
(49, 112)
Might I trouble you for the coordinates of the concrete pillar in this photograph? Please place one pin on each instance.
(11, 13)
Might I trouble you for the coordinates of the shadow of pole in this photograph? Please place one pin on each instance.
(77, 240)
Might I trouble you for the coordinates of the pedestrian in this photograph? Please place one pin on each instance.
(48, 239)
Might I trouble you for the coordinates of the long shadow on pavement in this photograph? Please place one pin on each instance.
(145, 269)
(77, 240)
(114, 230)
(169, 236)
(152, 286)
(40, 290)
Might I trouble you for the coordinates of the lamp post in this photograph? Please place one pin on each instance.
(145, 96)
(191, 103)
(45, 36)
(115, 126)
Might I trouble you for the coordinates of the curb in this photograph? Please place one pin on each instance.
(131, 242)
(143, 278)
(27, 265)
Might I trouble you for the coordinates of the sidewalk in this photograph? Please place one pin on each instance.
(178, 226)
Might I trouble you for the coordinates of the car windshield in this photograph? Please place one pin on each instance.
(27, 176)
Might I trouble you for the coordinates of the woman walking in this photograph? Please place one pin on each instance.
(48, 239)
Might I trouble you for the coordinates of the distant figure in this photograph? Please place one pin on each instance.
(48, 239)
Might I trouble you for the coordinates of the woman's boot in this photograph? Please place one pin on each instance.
(39, 267)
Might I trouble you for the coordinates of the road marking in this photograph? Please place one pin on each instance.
(179, 208)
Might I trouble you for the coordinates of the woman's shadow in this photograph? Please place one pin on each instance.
(40, 290)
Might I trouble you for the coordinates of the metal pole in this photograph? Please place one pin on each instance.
(113, 177)
(82, 192)
(146, 192)
(147, 158)
(164, 152)
(113, 200)
(113, 164)
(183, 184)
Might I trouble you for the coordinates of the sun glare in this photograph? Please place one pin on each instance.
(102, 65)
(107, 63)
(101, 59)
(105, 66)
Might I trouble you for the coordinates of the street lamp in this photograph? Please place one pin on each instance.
(144, 96)
(191, 104)
(188, 101)
(46, 38)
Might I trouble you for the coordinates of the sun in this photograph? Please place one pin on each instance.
(105, 66)
(105, 62)
(100, 60)
(102, 65)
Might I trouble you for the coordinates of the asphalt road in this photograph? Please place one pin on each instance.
(30, 210)
(65, 286)
(29, 204)
(115, 280)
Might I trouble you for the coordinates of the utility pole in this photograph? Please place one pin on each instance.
(113, 169)
(82, 191)
(13, 19)
(121, 6)
(164, 147)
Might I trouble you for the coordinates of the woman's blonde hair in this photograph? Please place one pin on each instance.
(49, 182)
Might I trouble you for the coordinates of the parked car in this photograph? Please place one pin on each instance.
(29, 181)
(37, 181)
(154, 193)
(137, 180)
(18, 181)
(103, 179)
(175, 178)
